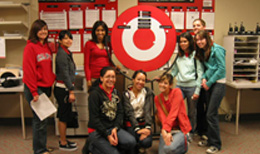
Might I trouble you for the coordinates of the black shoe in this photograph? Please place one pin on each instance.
(72, 143)
(67, 147)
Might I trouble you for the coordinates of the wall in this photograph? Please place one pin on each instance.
(230, 11)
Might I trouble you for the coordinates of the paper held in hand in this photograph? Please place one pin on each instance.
(43, 107)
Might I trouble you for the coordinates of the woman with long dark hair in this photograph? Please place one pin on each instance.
(188, 72)
(95, 52)
(213, 57)
(38, 78)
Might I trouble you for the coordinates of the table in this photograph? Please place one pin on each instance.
(239, 86)
(18, 89)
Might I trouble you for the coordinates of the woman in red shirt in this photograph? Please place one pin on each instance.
(95, 54)
(38, 78)
(172, 114)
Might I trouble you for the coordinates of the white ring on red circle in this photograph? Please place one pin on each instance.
(139, 54)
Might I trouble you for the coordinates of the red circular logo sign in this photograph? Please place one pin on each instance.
(143, 37)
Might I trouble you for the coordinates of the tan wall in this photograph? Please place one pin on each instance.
(226, 12)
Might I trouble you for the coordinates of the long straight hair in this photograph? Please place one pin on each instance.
(189, 37)
(203, 54)
(35, 28)
(95, 26)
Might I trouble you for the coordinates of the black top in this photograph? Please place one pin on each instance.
(104, 113)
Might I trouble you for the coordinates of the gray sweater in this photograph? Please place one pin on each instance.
(65, 68)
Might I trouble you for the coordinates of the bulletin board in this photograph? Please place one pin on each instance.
(183, 12)
(78, 17)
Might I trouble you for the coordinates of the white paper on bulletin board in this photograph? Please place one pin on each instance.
(55, 20)
(190, 17)
(209, 18)
(91, 16)
(2, 48)
(76, 45)
(207, 3)
(86, 37)
(178, 19)
(76, 19)
(109, 17)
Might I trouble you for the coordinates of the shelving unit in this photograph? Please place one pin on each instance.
(242, 57)
(16, 17)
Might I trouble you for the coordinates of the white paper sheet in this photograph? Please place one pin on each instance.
(43, 107)
(55, 20)
(2, 48)
(109, 17)
(86, 37)
(76, 45)
(91, 16)
(190, 17)
(76, 19)
(209, 18)
(207, 3)
(178, 19)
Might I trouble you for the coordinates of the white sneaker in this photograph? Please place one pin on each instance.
(212, 150)
(203, 143)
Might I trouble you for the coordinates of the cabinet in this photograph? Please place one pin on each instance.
(242, 58)
(14, 20)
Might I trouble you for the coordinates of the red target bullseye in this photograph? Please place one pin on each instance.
(143, 37)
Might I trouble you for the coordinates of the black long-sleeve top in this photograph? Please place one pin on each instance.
(104, 112)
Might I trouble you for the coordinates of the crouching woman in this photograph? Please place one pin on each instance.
(172, 114)
(106, 117)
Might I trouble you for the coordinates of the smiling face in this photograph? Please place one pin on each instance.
(109, 79)
(201, 42)
(100, 33)
(66, 41)
(139, 81)
(42, 34)
(197, 26)
(184, 44)
(164, 86)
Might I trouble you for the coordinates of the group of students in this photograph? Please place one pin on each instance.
(121, 123)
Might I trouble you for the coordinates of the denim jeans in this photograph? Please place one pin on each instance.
(215, 95)
(145, 143)
(39, 127)
(178, 145)
(187, 93)
(100, 145)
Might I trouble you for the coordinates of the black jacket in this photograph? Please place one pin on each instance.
(129, 111)
(103, 113)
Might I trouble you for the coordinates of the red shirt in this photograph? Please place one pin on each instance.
(177, 116)
(37, 66)
(94, 60)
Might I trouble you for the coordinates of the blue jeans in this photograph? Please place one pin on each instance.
(145, 143)
(215, 95)
(188, 92)
(100, 145)
(178, 145)
(39, 127)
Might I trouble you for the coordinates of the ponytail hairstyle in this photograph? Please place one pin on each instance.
(203, 54)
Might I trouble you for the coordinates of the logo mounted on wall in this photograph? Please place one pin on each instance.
(143, 37)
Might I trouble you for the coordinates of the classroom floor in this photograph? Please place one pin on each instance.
(247, 142)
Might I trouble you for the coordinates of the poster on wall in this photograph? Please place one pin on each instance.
(76, 45)
(190, 17)
(55, 20)
(91, 16)
(109, 17)
(208, 17)
(178, 19)
(76, 19)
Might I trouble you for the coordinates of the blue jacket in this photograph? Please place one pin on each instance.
(216, 65)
